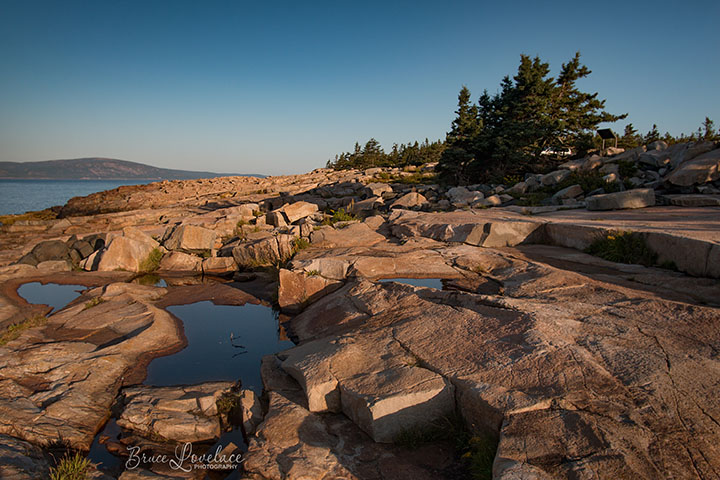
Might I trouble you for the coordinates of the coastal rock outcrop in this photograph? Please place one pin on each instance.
(179, 414)
(58, 380)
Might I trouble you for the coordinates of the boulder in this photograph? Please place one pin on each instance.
(572, 191)
(491, 201)
(50, 250)
(364, 206)
(639, 198)
(695, 200)
(519, 188)
(657, 145)
(410, 201)
(219, 265)
(592, 162)
(245, 210)
(553, 178)
(611, 178)
(91, 262)
(190, 239)
(352, 235)
(377, 189)
(276, 218)
(702, 169)
(125, 253)
(461, 196)
(373, 381)
(573, 165)
(54, 266)
(610, 168)
(298, 210)
(264, 251)
(181, 262)
(298, 289)
(176, 414)
(83, 248)
(252, 413)
(655, 158)
(627, 156)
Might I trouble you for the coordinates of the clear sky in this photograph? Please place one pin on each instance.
(281, 87)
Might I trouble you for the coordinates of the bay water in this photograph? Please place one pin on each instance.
(20, 196)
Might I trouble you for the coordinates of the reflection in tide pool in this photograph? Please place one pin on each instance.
(53, 294)
(224, 343)
(417, 282)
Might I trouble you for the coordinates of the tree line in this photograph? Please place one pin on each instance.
(631, 138)
(516, 130)
(373, 155)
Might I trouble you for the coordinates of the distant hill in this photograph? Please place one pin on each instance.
(98, 169)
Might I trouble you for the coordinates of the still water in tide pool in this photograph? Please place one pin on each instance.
(224, 343)
(53, 294)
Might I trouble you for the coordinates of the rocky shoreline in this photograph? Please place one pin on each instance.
(565, 364)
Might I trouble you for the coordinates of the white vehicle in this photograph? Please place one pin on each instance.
(557, 151)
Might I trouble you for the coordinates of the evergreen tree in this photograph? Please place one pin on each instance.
(652, 135)
(630, 138)
(708, 129)
(530, 113)
(466, 126)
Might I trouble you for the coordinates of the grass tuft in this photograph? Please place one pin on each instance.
(14, 331)
(623, 247)
(73, 467)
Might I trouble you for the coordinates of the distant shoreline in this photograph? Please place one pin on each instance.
(123, 179)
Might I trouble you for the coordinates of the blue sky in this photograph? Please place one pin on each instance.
(283, 86)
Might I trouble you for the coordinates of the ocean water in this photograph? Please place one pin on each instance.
(20, 196)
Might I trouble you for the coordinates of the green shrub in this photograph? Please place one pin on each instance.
(477, 452)
(339, 215)
(14, 331)
(152, 262)
(71, 468)
(95, 301)
(626, 168)
(300, 244)
(414, 179)
(623, 247)
(228, 402)
(480, 455)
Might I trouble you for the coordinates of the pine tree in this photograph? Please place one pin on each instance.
(630, 138)
(708, 129)
(530, 113)
(466, 126)
(652, 135)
